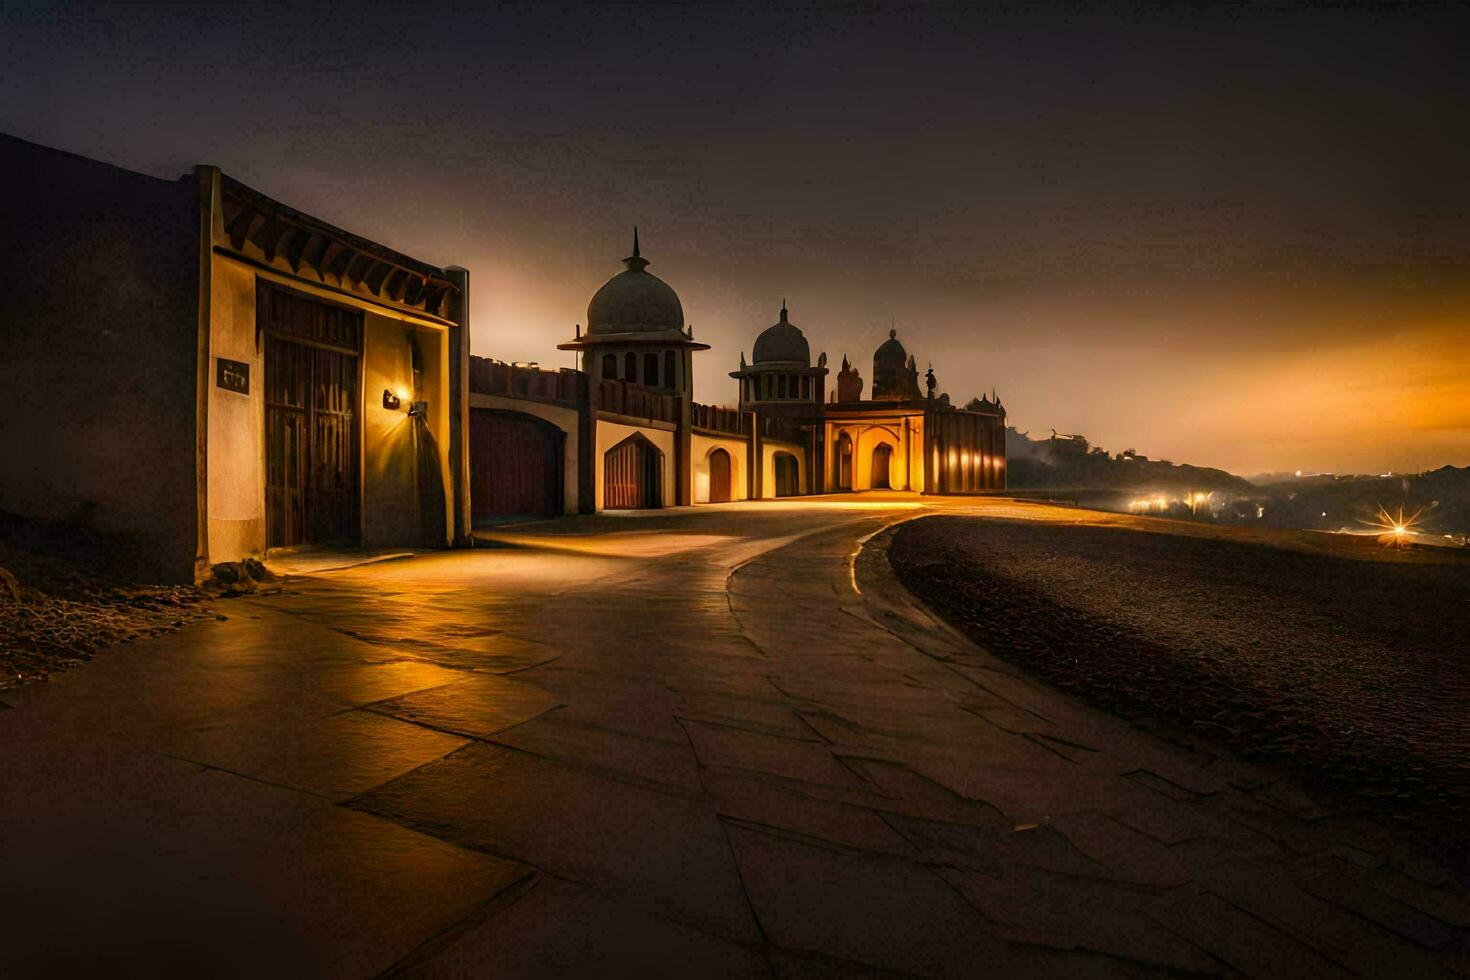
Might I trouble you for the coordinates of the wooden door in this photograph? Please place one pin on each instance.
(719, 477)
(332, 495)
(515, 465)
(311, 427)
(287, 411)
(631, 472)
(882, 455)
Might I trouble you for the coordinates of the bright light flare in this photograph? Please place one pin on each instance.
(1395, 529)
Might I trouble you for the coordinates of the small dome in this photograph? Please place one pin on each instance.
(634, 301)
(783, 342)
(890, 351)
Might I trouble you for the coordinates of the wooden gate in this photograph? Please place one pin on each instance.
(719, 477)
(788, 475)
(515, 465)
(631, 475)
(311, 437)
(882, 456)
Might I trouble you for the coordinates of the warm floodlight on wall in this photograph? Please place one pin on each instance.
(391, 401)
(418, 408)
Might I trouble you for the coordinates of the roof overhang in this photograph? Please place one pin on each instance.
(254, 223)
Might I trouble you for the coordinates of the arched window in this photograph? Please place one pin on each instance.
(669, 369)
(650, 369)
(609, 366)
(630, 366)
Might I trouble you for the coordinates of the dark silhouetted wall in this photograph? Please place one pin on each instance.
(99, 292)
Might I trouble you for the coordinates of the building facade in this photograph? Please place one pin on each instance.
(202, 374)
(624, 430)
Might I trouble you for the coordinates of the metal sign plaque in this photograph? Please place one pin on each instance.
(232, 375)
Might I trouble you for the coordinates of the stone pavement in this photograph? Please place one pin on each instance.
(704, 742)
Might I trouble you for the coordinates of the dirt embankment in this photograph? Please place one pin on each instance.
(1355, 674)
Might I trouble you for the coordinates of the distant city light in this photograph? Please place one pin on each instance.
(1394, 529)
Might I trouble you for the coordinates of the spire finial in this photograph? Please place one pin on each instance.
(635, 262)
(892, 334)
(783, 309)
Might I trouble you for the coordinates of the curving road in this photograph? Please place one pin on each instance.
(686, 743)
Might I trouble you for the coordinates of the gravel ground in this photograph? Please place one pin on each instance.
(55, 614)
(1355, 674)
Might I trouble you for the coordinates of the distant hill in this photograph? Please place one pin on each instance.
(1440, 497)
(1063, 461)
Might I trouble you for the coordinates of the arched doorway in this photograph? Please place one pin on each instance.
(631, 475)
(882, 456)
(788, 475)
(719, 477)
(844, 462)
(515, 465)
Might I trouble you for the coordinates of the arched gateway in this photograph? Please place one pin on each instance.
(788, 475)
(882, 457)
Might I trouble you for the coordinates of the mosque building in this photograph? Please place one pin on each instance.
(624, 431)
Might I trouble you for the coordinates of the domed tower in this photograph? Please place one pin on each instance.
(636, 333)
(895, 374)
(780, 380)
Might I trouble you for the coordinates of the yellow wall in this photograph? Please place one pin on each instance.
(609, 434)
(565, 419)
(389, 504)
(700, 448)
(236, 471)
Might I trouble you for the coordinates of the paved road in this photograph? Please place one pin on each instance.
(690, 743)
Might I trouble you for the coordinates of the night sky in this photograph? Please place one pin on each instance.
(1235, 236)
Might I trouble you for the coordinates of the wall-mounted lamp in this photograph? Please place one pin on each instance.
(390, 400)
(418, 408)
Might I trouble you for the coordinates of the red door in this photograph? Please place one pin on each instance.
(515, 465)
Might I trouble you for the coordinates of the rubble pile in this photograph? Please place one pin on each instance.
(55, 614)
